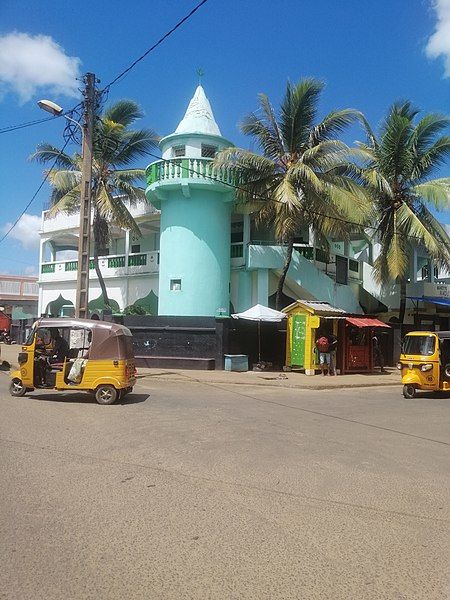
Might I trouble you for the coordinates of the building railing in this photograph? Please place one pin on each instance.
(143, 262)
(189, 168)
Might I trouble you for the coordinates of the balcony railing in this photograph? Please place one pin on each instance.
(189, 168)
(111, 266)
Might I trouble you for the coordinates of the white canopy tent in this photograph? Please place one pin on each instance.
(260, 313)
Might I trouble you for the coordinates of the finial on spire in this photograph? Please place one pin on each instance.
(200, 73)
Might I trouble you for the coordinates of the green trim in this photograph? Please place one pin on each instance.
(137, 260)
(71, 265)
(116, 262)
(48, 268)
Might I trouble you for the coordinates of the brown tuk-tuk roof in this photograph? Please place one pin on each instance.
(113, 328)
(109, 340)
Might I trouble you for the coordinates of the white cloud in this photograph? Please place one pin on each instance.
(30, 63)
(439, 43)
(26, 231)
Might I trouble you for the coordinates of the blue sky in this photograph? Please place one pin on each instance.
(368, 53)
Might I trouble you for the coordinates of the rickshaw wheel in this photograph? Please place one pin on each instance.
(409, 391)
(16, 387)
(106, 394)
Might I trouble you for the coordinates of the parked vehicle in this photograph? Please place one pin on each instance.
(5, 338)
(425, 362)
(76, 354)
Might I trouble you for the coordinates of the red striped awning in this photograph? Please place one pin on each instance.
(368, 322)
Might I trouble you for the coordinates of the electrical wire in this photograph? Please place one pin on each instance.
(10, 128)
(47, 174)
(154, 46)
(266, 198)
(27, 124)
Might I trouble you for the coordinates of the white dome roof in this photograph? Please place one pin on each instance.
(199, 117)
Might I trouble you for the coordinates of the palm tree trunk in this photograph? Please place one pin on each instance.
(98, 241)
(402, 308)
(100, 278)
(287, 263)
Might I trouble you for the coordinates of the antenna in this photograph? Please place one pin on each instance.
(200, 73)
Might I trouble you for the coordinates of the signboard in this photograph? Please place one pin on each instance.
(298, 340)
(441, 290)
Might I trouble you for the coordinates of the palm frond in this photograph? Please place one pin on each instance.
(298, 112)
(436, 191)
(123, 112)
(333, 123)
(48, 153)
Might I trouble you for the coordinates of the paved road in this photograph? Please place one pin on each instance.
(225, 492)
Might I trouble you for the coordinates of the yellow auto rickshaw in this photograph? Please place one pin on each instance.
(425, 362)
(76, 354)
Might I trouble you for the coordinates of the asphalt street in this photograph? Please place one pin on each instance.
(204, 491)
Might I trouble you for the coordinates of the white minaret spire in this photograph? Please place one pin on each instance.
(199, 117)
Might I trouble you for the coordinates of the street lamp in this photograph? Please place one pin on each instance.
(82, 292)
(57, 111)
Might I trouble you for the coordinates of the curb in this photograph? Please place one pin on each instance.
(273, 384)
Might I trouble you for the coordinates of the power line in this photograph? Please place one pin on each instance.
(5, 235)
(27, 124)
(268, 199)
(155, 45)
(10, 128)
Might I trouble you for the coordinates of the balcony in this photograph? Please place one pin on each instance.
(193, 169)
(111, 266)
(270, 255)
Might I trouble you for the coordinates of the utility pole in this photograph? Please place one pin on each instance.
(82, 298)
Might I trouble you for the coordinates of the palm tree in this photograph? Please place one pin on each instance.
(399, 163)
(303, 176)
(115, 148)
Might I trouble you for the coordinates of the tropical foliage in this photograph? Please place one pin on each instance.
(399, 163)
(303, 176)
(115, 183)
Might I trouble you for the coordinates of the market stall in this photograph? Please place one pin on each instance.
(306, 318)
(359, 344)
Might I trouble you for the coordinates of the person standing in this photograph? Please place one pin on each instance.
(333, 341)
(323, 345)
(377, 354)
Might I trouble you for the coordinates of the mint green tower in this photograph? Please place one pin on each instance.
(195, 204)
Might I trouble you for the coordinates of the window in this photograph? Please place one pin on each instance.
(175, 285)
(103, 251)
(135, 248)
(178, 151)
(208, 151)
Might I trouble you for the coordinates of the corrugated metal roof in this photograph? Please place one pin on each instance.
(321, 306)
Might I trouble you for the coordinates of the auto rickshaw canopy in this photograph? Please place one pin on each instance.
(109, 340)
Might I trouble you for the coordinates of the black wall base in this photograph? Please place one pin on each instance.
(178, 342)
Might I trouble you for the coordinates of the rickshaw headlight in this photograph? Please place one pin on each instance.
(426, 367)
(399, 366)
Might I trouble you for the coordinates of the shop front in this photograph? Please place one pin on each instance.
(361, 344)
(359, 340)
(307, 320)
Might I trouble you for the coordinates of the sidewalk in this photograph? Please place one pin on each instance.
(269, 379)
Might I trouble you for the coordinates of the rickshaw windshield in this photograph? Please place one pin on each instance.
(30, 336)
(423, 345)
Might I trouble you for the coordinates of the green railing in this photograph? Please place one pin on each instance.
(137, 260)
(72, 265)
(48, 268)
(306, 251)
(115, 262)
(189, 168)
